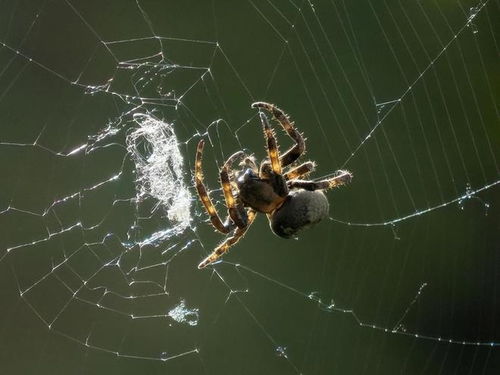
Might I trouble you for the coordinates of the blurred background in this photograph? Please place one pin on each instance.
(98, 277)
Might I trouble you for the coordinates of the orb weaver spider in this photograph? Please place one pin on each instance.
(290, 203)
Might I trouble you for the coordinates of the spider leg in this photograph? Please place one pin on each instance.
(272, 145)
(236, 210)
(341, 178)
(203, 193)
(300, 170)
(228, 242)
(249, 162)
(296, 150)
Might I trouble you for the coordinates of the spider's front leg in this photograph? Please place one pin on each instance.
(228, 242)
(270, 170)
(272, 145)
(299, 147)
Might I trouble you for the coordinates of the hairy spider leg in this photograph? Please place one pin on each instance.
(236, 210)
(300, 170)
(272, 145)
(341, 178)
(249, 162)
(299, 147)
(228, 242)
(203, 193)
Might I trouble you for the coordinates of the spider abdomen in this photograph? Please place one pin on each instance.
(301, 209)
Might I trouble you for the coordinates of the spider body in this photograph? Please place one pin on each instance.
(288, 211)
(264, 195)
(290, 203)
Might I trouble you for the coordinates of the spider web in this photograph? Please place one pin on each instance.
(101, 109)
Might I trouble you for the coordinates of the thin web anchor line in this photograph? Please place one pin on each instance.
(395, 102)
(331, 307)
(468, 194)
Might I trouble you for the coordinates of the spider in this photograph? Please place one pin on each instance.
(290, 203)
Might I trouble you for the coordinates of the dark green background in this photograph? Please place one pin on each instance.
(327, 64)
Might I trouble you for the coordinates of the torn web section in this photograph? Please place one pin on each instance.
(100, 197)
(160, 172)
(96, 268)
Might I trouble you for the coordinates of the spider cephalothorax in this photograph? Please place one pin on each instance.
(290, 203)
